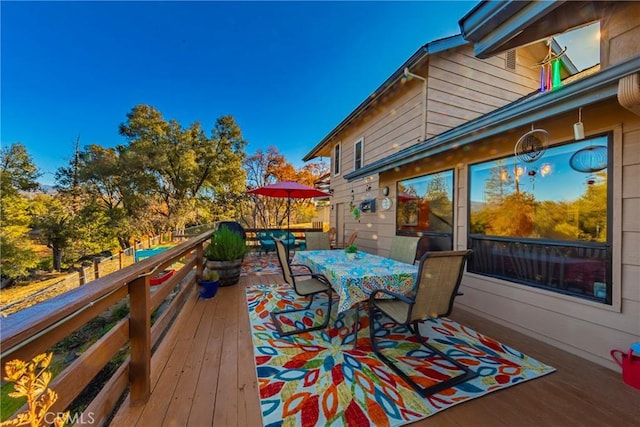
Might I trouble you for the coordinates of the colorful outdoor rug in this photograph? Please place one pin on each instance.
(317, 378)
(256, 264)
(260, 264)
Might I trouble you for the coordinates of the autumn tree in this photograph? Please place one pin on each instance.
(18, 174)
(269, 167)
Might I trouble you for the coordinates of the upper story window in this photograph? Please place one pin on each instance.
(358, 154)
(582, 45)
(336, 160)
(425, 207)
(545, 223)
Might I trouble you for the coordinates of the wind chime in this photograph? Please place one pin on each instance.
(550, 67)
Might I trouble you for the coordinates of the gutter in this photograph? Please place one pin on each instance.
(426, 50)
(531, 108)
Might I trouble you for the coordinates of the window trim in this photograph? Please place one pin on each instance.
(355, 144)
(337, 167)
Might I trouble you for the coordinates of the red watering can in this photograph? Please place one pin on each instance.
(630, 365)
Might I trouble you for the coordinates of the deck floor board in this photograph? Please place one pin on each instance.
(203, 374)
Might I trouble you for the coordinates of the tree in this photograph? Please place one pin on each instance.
(17, 170)
(18, 174)
(265, 168)
(183, 167)
(113, 183)
(53, 218)
(500, 183)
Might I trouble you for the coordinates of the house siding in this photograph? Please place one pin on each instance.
(460, 87)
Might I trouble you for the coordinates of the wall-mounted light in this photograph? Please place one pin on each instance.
(578, 128)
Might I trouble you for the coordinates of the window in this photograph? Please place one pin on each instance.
(582, 44)
(545, 223)
(358, 154)
(336, 160)
(425, 207)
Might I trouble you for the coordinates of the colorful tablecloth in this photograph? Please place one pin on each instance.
(354, 280)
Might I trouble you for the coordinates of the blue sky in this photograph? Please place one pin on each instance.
(288, 72)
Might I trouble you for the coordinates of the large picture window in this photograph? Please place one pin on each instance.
(425, 207)
(545, 223)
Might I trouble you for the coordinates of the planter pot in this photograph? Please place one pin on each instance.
(229, 271)
(351, 256)
(208, 288)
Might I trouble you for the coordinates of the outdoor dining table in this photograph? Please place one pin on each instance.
(354, 280)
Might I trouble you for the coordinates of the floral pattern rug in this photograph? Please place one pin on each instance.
(256, 264)
(318, 379)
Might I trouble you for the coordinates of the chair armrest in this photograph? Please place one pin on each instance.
(301, 265)
(396, 295)
(320, 277)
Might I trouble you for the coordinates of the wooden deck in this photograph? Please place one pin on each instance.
(203, 374)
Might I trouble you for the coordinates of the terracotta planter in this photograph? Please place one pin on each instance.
(229, 271)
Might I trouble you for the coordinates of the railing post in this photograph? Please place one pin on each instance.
(140, 339)
(200, 261)
(121, 260)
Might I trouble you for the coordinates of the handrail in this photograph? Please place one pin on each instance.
(35, 329)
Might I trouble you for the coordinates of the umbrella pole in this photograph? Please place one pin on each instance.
(288, 226)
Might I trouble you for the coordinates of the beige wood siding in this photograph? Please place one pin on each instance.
(462, 87)
(621, 37)
(395, 122)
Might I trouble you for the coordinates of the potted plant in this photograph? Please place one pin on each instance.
(224, 255)
(209, 283)
(351, 251)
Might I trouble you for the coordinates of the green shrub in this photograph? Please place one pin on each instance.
(226, 245)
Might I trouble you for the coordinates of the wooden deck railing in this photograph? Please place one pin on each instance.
(36, 329)
(298, 232)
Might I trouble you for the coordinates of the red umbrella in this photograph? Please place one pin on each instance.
(290, 190)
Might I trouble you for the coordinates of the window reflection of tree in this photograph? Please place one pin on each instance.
(508, 212)
(426, 203)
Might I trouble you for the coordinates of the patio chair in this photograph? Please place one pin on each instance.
(403, 249)
(350, 241)
(313, 285)
(317, 241)
(439, 277)
(332, 235)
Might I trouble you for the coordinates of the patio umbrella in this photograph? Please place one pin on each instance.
(290, 190)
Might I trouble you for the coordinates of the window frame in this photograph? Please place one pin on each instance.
(355, 157)
(437, 235)
(337, 159)
(607, 246)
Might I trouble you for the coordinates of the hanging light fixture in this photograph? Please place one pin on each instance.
(578, 128)
(589, 159)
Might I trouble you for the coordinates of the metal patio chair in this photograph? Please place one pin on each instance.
(439, 277)
(403, 249)
(313, 285)
(317, 241)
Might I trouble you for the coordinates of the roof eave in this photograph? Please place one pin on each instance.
(491, 24)
(426, 50)
(582, 92)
